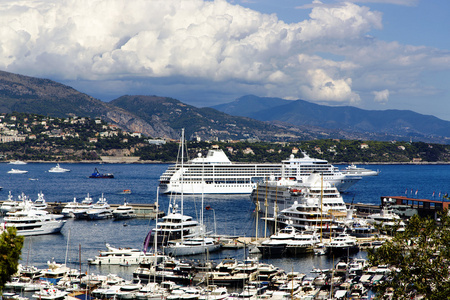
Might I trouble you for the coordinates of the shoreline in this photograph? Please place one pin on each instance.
(134, 161)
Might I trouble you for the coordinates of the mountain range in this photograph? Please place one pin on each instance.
(249, 117)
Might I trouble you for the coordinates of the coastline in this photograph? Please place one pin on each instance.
(135, 160)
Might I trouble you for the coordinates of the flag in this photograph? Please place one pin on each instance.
(416, 192)
(439, 195)
(147, 240)
(208, 207)
(406, 192)
(433, 194)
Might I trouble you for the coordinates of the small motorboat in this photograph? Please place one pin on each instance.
(97, 174)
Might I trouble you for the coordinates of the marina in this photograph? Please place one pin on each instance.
(234, 214)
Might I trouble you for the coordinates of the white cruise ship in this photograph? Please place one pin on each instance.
(216, 174)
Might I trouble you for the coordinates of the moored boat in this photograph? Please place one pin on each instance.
(97, 174)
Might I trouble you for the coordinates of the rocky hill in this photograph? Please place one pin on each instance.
(250, 117)
(46, 97)
(396, 124)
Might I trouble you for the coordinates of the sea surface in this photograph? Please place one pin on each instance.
(234, 214)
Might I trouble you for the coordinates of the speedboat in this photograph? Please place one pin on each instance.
(17, 171)
(124, 212)
(100, 210)
(58, 169)
(97, 174)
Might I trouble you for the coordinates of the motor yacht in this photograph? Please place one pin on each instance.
(29, 221)
(353, 170)
(100, 210)
(85, 205)
(343, 244)
(175, 226)
(302, 243)
(17, 162)
(192, 246)
(120, 256)
(9, 204)
(40, 202)
(276, 195)
(276, 244)
(58, 169)
(124, 211)
(17, 171)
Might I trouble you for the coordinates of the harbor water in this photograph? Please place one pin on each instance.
(233, 214)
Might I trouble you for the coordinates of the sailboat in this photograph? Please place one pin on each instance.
(175, 225)
(194, 245)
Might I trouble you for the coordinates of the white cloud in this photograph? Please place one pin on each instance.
(381, 96)
(211, 46)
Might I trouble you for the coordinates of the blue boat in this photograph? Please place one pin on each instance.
(97, 174)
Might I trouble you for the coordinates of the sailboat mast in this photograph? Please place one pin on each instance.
(182, 170)
(321, 207)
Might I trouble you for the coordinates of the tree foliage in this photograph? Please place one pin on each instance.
(10, 250)
(421, 256)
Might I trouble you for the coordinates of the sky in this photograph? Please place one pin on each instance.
(371, 54)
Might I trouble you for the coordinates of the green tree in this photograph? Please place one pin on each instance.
(421, 256)
(10, 250)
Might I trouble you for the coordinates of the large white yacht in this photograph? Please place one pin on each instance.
(175, 226)
(216, 174)
(284, 193)
(120, 256)
(100, 210)
(29, 221)
(124, 211)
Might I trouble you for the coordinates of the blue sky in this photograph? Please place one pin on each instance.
(372, 54)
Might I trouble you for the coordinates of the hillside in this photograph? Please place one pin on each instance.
(249, 117)
(400, 123)
(45, 97)
(205, 123)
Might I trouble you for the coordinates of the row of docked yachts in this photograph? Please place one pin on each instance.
(188, 280)
(291, 242)
(31, 217)
(87, 209)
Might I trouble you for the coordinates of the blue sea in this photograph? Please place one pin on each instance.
(234, 214)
